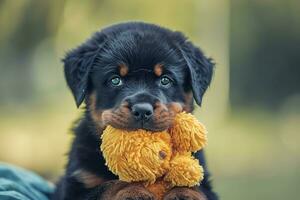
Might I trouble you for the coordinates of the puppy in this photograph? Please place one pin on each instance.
(131, 76)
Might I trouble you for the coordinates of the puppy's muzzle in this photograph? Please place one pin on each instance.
(142, 111)
(142, 106)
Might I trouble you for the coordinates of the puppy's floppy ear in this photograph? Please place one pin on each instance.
(78, 64)
(200, 69)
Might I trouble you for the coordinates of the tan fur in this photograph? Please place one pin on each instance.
(134, 192)
(95, 113)
(184, 193)
(158, 69)
(175, 107)
(162, 117)
(87, 178)
(119, 118)
(188, 102)
(119, 190)
(123, 70)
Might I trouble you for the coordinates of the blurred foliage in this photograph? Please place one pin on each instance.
(253, 151)
(264, 54)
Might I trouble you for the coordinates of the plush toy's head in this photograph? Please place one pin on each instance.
(136, 155)
(153, 157)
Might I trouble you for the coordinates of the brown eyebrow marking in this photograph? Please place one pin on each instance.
(123, 69)
(158, 69)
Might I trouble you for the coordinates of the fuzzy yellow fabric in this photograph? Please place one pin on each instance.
(136, 155)
(184, 171)
(150, 156)
(187, 133)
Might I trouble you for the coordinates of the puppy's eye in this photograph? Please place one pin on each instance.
(165, 81)
(116, 81)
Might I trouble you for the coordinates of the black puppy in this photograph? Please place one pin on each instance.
(129, 75)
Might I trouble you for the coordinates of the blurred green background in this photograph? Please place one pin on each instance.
(252, 109)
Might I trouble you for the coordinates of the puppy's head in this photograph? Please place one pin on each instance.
(137, 75)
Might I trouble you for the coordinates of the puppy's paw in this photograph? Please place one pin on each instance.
(183, 193)
(134, 193)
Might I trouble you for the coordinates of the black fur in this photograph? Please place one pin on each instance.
(88, 71)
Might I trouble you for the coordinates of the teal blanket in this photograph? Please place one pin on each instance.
(20, 184)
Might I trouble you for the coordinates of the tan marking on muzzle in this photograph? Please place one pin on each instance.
(164, 114)
(119, 117)
(175, 107)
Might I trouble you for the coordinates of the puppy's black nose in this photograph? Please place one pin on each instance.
(142, 111)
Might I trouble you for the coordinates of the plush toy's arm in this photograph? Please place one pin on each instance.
(184, 170)
(187, 133)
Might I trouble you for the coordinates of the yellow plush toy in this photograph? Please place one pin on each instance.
(160, 160)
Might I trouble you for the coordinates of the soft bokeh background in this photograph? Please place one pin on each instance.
(252, 109)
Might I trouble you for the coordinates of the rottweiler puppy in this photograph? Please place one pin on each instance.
(128, 75)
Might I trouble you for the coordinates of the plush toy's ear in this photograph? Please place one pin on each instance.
(200, 69)
(78, 64)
